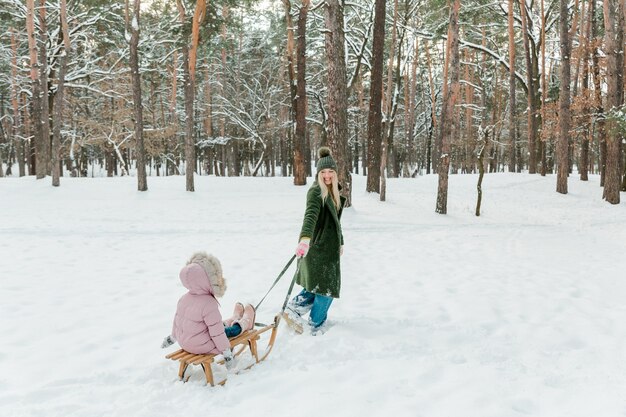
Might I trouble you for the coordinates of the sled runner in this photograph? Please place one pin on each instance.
(239, 344)
(293, 321)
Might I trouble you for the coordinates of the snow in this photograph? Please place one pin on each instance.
(519, 312)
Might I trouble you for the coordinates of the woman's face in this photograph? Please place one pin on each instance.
(327, 175)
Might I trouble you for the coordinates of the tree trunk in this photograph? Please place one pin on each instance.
(437, 151)
(532, 111)
(512, 104)
(44, 167)
(614, 41)
(587, 132)
(387, 164)
(564, 102)
(299, 143)
(374, 117)
(468, 162)
(15, 101)
(338, 94)
(190, 149)
(59, 97)
(387, 169)
(36, 163)
(483, 139)
(544, 90)
(449, 121)
(433, 110)
(142, 182)
(411, 97)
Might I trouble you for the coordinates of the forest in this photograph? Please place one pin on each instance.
(396, 88)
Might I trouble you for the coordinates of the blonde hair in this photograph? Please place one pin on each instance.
(332, 189)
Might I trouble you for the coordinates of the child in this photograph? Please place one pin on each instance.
(198, 325)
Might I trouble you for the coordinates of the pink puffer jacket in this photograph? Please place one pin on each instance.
(198, 326)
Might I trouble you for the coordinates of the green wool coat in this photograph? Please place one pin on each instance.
(319, 271)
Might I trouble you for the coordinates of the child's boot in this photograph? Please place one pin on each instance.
(247, 320)
(237, 314)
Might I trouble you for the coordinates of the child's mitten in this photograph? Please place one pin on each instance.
(228, 359)
(168, 341)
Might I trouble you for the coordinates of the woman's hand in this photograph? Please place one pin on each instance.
(303, 248)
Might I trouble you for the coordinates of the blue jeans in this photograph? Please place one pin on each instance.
(319, 306)
(233, 330)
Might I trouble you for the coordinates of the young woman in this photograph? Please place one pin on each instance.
(320, 246)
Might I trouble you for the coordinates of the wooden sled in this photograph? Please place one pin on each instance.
(238, 344)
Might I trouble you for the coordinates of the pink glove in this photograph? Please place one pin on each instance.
(303, 248)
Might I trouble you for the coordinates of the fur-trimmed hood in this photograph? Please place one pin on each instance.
(203, 275)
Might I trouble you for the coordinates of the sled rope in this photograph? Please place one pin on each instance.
(276, 281)
(293, 281)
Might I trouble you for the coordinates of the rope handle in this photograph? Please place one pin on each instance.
(278, 279)
(293, 281)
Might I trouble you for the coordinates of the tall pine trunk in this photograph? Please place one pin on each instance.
(564, 102)
(190, 149)
(338, 94)
(44, 166)
(587, 133)
(299, 146)
(512, 104)
(142, 182)
(59, 97)
(17, 143)
(449, 122)
(37, 163)
(433, 111)
(614, 41)
(532, 111)
(374, 116)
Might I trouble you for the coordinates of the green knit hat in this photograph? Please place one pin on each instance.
(326, 160)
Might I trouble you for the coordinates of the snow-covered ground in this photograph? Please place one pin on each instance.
(519, 312)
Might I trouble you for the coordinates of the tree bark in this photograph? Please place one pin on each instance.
(44, 167)
(387, 152)
(190, 149)
(411, 96)
(544, 90)
(449, 127)
(512, 104)
(338, 94)
(587, 133)
(483, 137)
(564, 101)
(17, 143)
(532, 111)
(614, 41)
(59, 98)
(433, 109)
(36, 163)
(142, 182)
(374, 116)
(299, 145)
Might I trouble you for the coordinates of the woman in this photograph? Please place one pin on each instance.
(320, 246)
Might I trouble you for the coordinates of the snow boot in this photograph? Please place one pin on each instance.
(247, 320)
(237, 315)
